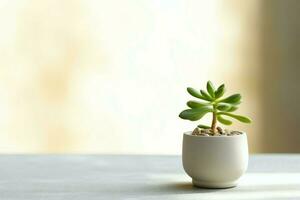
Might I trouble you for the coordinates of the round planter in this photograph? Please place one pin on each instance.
(215, 161)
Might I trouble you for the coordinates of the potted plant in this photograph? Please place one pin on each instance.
(214, 157)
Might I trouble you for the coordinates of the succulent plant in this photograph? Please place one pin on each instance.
(213, 102)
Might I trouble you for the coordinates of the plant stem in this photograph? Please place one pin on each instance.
(214, 121)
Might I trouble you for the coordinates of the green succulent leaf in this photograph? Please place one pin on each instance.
(233, 99)
(196, 104)
(220, 91)
(232, 109)
(223, 120)
(203, 126)
(205, 95)
(223, 106)
(237, 117)
(210, 89)
(195, 113)
(195, 93)
(236, 103)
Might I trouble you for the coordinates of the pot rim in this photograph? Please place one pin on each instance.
(189, 134)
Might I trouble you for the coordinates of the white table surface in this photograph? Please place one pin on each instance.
(85, 177)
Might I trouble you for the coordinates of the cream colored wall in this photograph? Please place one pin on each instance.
(281, 93)
(110, 76)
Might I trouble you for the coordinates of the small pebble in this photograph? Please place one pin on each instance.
(220, 129)
(196, 131)
(205, 131)
(223, 133)
(235, 133)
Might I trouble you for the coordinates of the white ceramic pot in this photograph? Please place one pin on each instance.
(215, 161)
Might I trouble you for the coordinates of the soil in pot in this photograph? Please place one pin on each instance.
(220, 132)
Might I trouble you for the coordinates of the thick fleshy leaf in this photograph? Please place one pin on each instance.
(232, 109)
(223, 106)
(196, 104)
(233, 99)
(237, 117)
(236, 103)
(194, 114)
(210, 89)
(223, 120)
(203, 126)
(195, 93)
(205, 95)
(220, 91)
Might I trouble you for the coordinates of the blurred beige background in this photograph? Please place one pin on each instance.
(110, 76)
